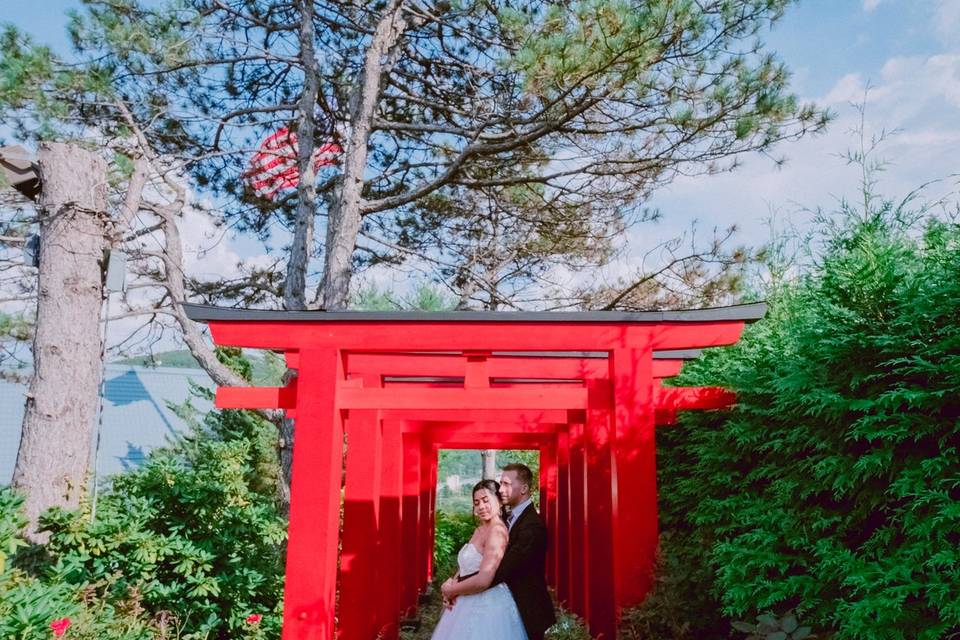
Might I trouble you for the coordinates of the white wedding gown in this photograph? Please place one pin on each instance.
(488, 615)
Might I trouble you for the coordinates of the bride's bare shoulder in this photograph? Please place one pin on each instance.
(500, 533)
(496, 534)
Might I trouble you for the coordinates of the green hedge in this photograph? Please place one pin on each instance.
(833, 487)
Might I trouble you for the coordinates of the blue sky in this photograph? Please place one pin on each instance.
(907, 50)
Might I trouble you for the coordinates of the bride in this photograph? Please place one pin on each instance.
(491, 614)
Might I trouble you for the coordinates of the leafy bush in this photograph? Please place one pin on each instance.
(453, 530)
(195, 531)
(680, 606)
(29, 605)
(192, 542)
(568, 627)
(770, 627)
(832, 487)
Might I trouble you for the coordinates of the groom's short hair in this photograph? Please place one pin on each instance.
(523, 472)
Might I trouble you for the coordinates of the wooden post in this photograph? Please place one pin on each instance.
(311, 576)
(563, 517)
(434, 469)
(390, 549)
(410, 522)
(579, 551)
(425, 548)
(636, 471)
(602, 581)
(548, 506)
(361, 518)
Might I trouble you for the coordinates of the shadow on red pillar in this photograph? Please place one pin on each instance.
(434, 464)
(548, 506)
(563, 518)
(602, 589)
(358, 556)
(424, 547)
(579, 553)
(311, 569)
(410, 522)
(390, 551)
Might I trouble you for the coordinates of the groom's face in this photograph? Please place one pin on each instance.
(512, 492)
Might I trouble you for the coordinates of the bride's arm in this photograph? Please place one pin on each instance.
(492, 555)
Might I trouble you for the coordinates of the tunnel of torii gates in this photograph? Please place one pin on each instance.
(376, 395)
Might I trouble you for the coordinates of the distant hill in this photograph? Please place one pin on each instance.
(175, 359)
(267, 366)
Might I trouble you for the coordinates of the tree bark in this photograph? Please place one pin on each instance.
(54, 455)
(222, 375)
(295, 283)
(173, 248)
(343, 224)
(489, 457)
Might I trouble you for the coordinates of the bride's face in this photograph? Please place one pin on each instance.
(485, 505)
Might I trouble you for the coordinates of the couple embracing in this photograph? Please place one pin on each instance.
(500, 591)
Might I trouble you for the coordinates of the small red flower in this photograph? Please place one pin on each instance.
(254, 618)
(60, 626)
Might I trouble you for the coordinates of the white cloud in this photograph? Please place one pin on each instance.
(946, 17)
(917, 97)
(870, 5)
(208, 252)
(848, 88)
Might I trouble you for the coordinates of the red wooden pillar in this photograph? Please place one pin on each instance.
(548, 506)
(601, 513)
(562, 534)
(359, 586)
(434, 464)
(410, 522)
(425, 549)
(579, 560)
(390, 550)
(311, 570)
(636, 471)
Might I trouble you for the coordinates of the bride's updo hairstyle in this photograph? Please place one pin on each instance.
(491, 486)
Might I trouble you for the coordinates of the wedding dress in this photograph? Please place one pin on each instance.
(488, 615)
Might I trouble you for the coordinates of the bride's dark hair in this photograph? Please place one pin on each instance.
(493, 487)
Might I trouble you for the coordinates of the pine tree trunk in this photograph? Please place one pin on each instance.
(343, 224)
(54, 455)
(489, 457)
(295, 285)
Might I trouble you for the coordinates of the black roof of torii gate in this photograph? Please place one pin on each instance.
(743, 312)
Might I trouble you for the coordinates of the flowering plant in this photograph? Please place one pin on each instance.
(60, 626)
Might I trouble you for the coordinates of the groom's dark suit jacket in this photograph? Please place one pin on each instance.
(523, 568)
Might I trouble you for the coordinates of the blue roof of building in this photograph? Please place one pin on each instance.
(136, 415)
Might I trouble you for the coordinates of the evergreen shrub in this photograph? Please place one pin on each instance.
(833, 487)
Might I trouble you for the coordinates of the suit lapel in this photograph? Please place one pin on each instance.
(523, 517)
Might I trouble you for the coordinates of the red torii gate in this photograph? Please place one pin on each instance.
(377, 394)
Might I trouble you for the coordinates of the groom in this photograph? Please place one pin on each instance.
(524, 563)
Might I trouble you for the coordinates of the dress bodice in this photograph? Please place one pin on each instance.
(490, 614)
(469, 559)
